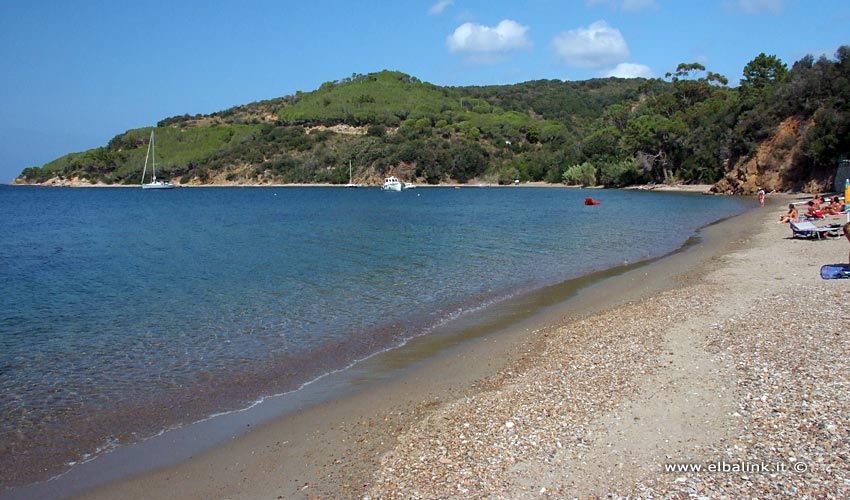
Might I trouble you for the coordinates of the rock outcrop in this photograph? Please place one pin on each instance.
(775, 166)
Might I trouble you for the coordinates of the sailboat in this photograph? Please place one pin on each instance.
(154, 183)
(350, 183)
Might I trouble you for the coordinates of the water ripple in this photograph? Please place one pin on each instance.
(126, 311)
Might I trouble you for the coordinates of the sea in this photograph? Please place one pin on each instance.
(125, 312)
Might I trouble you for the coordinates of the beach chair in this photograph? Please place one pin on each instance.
(806, 229)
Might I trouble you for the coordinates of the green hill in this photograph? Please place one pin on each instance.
(690, 127)
(386, 122)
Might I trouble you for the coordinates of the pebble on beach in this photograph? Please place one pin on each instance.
(768, 341)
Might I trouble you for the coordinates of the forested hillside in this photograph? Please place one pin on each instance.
(780, 129)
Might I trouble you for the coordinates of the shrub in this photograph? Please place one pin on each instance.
(618, 173)
(376, 131)
(584, 174)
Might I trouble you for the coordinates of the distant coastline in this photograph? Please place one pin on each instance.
(74, 183)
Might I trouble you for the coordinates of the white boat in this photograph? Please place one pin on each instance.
(391, 184)
(408, 185)
(350, 182)
(154, 183)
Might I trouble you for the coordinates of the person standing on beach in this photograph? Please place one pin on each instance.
(761, 197)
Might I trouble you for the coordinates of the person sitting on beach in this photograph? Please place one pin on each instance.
(817, 201)
(834, 208)
(791, 216)
(813, 211)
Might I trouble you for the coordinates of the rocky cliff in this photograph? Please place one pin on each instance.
(774, 166)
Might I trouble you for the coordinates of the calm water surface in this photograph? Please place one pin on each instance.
(125, 312)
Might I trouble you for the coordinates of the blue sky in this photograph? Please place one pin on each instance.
(75, 74)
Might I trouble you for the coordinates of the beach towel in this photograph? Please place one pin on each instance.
(835, 271)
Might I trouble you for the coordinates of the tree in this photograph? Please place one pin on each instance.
(761, 75)
(683, 70)
(688, 91)
(706, 144)
(763, 71)
(618, 115)
(467, 161)
(659, 138)
(828, 139)
(602, 142)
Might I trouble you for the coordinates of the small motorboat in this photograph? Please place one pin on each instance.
(391, 183)
(591, 201)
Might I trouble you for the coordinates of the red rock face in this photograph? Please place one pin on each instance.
(775, 166)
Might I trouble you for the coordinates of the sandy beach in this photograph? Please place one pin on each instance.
(730, 355)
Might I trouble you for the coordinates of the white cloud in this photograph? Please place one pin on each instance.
(629, 70)
(506, 36)
(595, 46)
(439, 7)
(759, 6)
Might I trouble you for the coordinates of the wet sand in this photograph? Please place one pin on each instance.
(737, 376)
(332, 450)
(398, 436)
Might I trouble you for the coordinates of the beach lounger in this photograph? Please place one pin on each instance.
(806, 229)
(845, 215)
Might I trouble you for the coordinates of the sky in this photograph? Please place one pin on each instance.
(75, 74)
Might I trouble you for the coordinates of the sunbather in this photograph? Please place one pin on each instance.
(834, 208)
(814, 211)
(791, 216)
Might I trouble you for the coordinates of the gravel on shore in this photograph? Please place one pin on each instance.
(743, 369)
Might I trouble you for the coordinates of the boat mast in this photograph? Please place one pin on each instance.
(153, 159)
(145, 171)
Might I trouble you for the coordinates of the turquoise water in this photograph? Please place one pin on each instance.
(125, 312)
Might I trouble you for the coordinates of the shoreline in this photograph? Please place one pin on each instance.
(421, 348)
(719, 370)
(28, 457)
(329, 448)
(687, 188)
(345, 448)
(117, 464)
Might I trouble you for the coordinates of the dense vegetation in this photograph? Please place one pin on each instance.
(688, 127)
